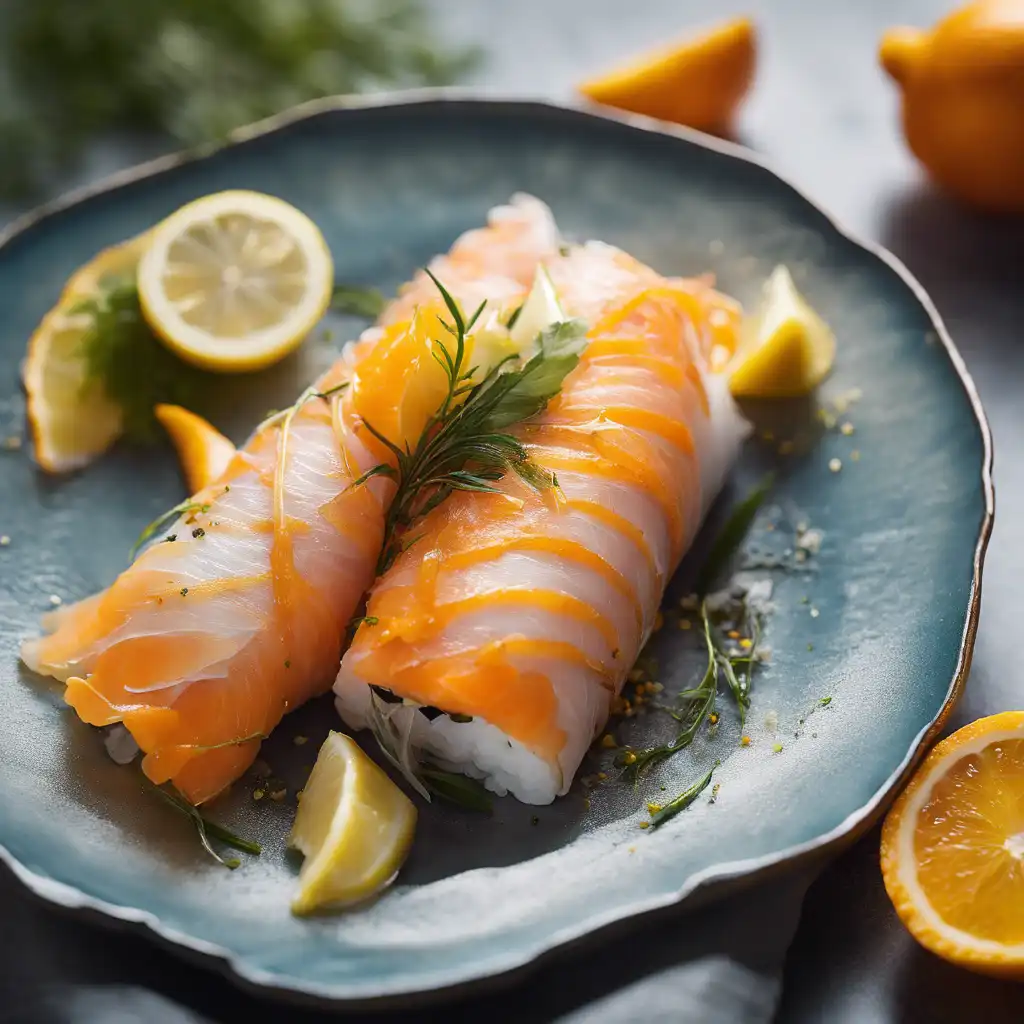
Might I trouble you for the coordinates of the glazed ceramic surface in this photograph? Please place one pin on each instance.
(881, 620)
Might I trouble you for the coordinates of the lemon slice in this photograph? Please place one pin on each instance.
(203, 451)
(953, 848)
(71, 418)
(235, 281)
(786, 348)
(354, 827)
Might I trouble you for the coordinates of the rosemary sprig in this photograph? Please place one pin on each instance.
(698, 703)
(681, 802)
(731, 536)
(207, 829)
(357, 300)
(464, 446)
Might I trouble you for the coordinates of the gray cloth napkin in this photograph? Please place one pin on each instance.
(718, 964)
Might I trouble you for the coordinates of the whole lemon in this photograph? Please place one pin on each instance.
(963, 100)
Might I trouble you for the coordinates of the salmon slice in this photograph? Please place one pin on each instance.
(237, 613)
(521, 613)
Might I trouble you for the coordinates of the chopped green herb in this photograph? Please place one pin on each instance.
(825, 701)
(183, 591)
(135, 369)
(165, 520)
(358, 301)
(681, 802)
(205, 828)
(198, 532)
(732, 534)
(457, 789)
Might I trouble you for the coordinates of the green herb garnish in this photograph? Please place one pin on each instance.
(163, 521)
(731, 536)
(358, 301)
(207, 829)
(697, 704)
(681, 802)
(135, 369)
(192, 71)
(464, 446)
(458, 789)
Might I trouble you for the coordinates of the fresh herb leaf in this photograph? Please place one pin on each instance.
(681, 802)
(205, 828)
(464, 446)
(135, 369)
(358, 301)
(731, 536)
(458, 789)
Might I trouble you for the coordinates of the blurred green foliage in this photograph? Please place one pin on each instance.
(194, 69)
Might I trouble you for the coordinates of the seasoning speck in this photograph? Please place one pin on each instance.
(810, 647)
(258, 794)
(287, 663)
(847, 429)
(55, 600)
(278, 795)
(744, 741)
(659, 621)
(835, 465)
(183, 591)
(776, 748)
(608, 741)
(855, 455)
(713, 718)
(685, 624)
(300, 741)
(5, 541)
(645, 824)
(630, 758)
(653, 808)
(535, 820)
(198, 532)
(815, 613)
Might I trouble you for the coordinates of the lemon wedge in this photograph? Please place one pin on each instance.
(539, 311)
(203, 451)
(354, 826)
(235, 281)
(72, 419)
(786, 348)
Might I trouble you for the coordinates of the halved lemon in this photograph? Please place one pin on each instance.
(354, 827)
(71, 418)
(235, 281)
(699, 82)
(953, 848)
(786, 349)
(203, 451)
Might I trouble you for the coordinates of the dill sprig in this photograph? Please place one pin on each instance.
(465, 446)
(696, 704)
(192, 71)
(207, 829)
(135, 369)
(681, 802)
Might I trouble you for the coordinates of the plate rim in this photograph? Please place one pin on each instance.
(731, 873)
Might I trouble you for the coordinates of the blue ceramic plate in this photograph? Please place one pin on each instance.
(883, 624)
